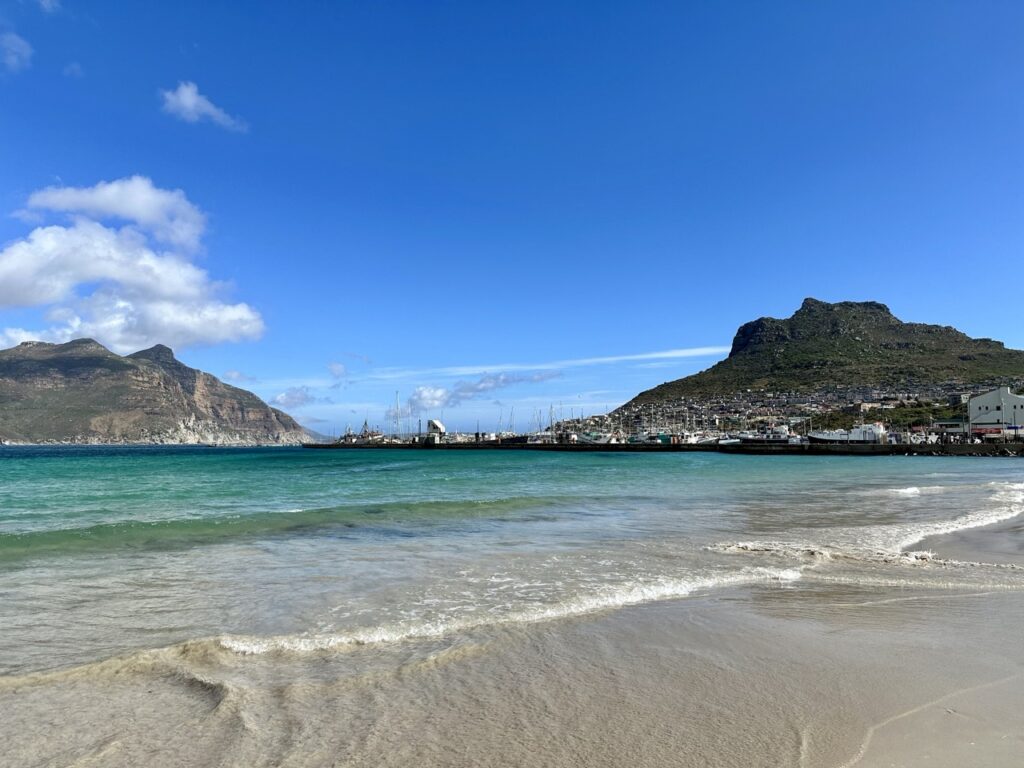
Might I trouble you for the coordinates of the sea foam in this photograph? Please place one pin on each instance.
(579, 605)
(889, 544)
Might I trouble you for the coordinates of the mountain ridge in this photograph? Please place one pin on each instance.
(81, 392)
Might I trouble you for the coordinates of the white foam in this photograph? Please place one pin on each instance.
(609, 598)
(911, 491)
(785, 549)
(1008, 503)
(887, 543)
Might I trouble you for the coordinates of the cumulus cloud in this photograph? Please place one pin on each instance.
(110, 282)
(428, 398)
(166, 214)
(186, 103)
(297, 397)
(15, 52)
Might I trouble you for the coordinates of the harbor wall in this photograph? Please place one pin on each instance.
(811, 449)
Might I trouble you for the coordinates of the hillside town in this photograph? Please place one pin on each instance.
(946, 412)
(945, 415)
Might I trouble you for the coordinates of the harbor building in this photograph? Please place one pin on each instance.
(996, 414)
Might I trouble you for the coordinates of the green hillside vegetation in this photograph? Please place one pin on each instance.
(849, 344)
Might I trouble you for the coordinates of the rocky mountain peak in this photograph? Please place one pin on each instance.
(158, 353)
(816, 319)
(78, 347)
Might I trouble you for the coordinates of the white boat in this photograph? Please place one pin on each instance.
(863, 434)
(776, 435)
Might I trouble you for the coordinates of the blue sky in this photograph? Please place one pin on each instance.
(483, 206)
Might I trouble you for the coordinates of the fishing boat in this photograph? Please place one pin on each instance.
(861, 434)
(773, 435)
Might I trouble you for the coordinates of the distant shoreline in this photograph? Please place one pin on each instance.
(1011, 450)
(811, 449)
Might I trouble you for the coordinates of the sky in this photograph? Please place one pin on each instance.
(483, 211)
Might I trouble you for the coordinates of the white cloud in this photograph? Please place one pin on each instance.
(554, 365)
(49, 6)
(110, 283)
(296, 397)
(74, 69)
(15, 52)
(427, 398)
(165, 213)
(338, 370)
(187, 103)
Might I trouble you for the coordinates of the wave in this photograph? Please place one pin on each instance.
(823, 555)
(1008, 503)
(184, 661)
(186, 532)
(610, 598)
(912, 491)
(891, 544)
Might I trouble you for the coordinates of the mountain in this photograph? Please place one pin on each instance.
(848, 344)
(82, 392)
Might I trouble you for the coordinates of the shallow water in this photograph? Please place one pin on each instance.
(322, 577)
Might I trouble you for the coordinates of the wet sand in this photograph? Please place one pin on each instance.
(802, 675)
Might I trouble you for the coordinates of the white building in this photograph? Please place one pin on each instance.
(997, 413)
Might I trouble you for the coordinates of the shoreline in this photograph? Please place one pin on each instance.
(990, 450)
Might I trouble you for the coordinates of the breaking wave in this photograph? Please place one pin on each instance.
(1008, 503)
(609, 598)
(913, 491)
(890, 544)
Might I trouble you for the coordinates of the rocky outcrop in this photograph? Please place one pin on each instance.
(81, 392)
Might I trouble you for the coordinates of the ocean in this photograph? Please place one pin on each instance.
(204, 606)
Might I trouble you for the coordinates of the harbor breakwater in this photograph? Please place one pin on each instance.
(762, 449)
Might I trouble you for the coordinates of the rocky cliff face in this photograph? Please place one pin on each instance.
(82, 392)
(847, 344)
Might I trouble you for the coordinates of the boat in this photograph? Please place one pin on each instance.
(366, 436)
(773, 435)
(862, 434)
(599, 438)
(651, 438)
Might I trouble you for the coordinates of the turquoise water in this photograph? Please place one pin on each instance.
(109, 550)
